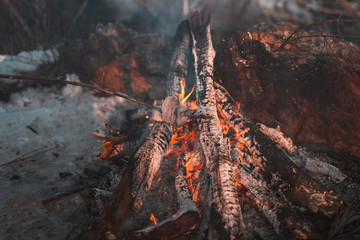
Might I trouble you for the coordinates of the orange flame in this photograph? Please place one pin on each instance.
(238, 109)
(155, 101)
(153, 219)
(183, 98)
(108, 149)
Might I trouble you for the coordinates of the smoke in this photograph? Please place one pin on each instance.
(163, 16)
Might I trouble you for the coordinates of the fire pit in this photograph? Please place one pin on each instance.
(205, 170)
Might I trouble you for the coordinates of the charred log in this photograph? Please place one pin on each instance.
(268, 162)
(284, 218)
(181, 222)
(225, 197)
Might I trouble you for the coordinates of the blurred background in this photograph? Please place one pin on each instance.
(41, 24)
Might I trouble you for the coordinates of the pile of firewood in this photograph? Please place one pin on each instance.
(222, 162)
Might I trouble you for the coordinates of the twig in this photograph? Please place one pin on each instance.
(349, 8)
(326, 36)
(63, 195)
(72, 230)
(287, 40)
(32, 129)
(22, 158)
(85, 85)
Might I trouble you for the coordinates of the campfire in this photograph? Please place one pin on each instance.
(202, 161)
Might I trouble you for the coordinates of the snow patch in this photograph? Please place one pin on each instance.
(26, 61)
(48, 132)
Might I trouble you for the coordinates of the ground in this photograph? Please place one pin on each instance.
(48, 131)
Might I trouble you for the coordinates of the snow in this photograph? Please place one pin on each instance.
(61, 121)
(26, 61)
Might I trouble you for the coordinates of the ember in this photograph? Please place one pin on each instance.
(153, 219)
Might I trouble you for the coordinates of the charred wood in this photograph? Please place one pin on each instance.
(184, 220)
(267, 161)
(148, 159)
(284, 218)
(225, 197)
(317, 167)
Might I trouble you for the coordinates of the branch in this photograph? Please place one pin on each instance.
(84, 85)
(287, 40)
(349, 8)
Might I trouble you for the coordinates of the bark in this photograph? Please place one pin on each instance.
(116, 211)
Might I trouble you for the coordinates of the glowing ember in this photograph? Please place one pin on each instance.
(191, 168)
(153, 219)
(108, 149)
(98, 134)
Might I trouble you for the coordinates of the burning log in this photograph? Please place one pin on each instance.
(286, 221)
(183, 220)
(218, 161)
(129, 195)
(314, 166)
(148, 159)
(270, 163)
(233, 158)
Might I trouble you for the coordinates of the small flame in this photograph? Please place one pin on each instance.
(238, 109)
(155, 101)
(183, 98)
(108, 149)
(153, 219)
